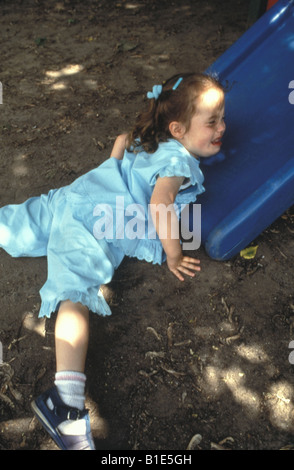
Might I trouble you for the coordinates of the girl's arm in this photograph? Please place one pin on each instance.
(119, 147)
(167, 226)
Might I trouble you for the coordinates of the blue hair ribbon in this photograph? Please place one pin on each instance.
(177, 83)
(156, 90)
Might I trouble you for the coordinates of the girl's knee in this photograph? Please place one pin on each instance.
(69, 306)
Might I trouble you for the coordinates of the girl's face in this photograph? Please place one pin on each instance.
(207, 126)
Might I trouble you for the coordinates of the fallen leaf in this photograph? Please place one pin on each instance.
(249, 252)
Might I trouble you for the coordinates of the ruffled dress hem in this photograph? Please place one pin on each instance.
(146, 250)
(96, 305)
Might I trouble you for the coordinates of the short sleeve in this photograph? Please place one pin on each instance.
(176, 167)
(186, 184)
(185, 165)
(173, 159)
(192, 185)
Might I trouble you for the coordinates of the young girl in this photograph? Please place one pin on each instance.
(155, 166)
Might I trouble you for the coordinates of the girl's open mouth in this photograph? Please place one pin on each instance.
(217, 142)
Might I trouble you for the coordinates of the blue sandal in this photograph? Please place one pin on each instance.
(52, 418)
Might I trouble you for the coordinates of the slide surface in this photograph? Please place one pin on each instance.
(254, 184)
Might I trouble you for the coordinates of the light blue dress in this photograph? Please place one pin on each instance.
(85, 229)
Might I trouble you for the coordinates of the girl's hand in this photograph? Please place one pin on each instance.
(183, 264)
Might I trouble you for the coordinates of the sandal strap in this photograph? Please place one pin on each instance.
(61, 411)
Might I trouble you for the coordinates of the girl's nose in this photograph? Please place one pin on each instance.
(221, 127)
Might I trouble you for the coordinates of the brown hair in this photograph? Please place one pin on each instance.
(152, 125)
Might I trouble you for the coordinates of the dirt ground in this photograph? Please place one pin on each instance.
(207, 357)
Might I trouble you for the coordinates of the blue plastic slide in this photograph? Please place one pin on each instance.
(254, 184)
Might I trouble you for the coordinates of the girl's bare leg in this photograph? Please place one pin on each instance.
(71, 337)
(71, 340)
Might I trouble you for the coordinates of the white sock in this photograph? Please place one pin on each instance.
(71, 389)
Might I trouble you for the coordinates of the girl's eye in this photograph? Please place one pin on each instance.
(213, 122)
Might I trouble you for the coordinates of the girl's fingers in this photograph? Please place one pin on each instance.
(187, 259)
(190, 263)
(188, 269)
(178, 275)
(187, 265)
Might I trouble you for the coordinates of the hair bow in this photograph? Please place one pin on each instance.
(156, 90)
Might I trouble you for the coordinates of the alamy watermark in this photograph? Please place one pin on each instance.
(132, 222)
